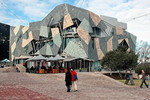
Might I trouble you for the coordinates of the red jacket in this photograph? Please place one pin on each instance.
(72, 75)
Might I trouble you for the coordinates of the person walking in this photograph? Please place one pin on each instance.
(68, 78)
(143, 79)
(74, 79)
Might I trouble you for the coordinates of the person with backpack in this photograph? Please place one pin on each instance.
(74, 79)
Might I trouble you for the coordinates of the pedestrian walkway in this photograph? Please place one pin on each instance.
(92, 86)
(15, 92)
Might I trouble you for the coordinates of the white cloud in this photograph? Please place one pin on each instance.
(17, 22)
(13, 21)
(34, 10)
(125, 11)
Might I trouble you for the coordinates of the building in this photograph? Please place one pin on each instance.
(71, 32)
(4, 41)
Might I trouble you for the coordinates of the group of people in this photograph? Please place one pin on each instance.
(71, 80)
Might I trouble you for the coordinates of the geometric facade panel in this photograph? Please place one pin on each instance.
(109, 45)
(26, 41)
(86, 26)
(24, 29)
(84, 35)
(95, 18)
(57, 40)
(44, 31)
(55, 31)
(16, 30)
(74, 49)
(46, 50)
(120, 40)
(119, 30)
(99, 51)
(13, 46)
(67, 21)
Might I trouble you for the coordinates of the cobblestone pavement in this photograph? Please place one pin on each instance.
(91, 86)
(13, 92)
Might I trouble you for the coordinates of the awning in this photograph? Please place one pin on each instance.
(5, 60)
(37, 58)
(57, 57)
(69, 59)
(50, 59)
(23, 57)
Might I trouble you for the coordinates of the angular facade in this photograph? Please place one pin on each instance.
(70, 31)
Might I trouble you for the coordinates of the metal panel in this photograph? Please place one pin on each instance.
(44, 31)
(92, 52)
(99, 51)
(35, 28)
(12, 57)
(16, 30)
(119, 30)
(54, 31)
(86, 26)
(109, 45)
(55, 49)
(18, 48)
(83, 35)
(26, 35)
(131, 43)
(75, 50)
(120, 40)
(23, 52)
(57, 40)
(115, 42)
(28, 47)
(67, 21)
(103, 44)
(46, 50)
(133, 37)
(26, 41)
(109, 29)
(113, 21)
(24, 29)
(95, 18)
(79, 13)
(13, 46)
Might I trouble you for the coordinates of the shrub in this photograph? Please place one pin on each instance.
(146, 68)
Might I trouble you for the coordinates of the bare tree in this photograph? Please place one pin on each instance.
(143, 50)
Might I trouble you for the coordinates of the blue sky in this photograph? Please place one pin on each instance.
(22, 12)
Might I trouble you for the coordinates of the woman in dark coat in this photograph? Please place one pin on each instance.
(68, 80)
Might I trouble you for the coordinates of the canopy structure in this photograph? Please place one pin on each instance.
(5, 60)
(50, 59)
(69, 59)
(23, 57)
(56, 58)
(37, 58)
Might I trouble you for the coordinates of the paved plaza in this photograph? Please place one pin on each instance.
(91, 86)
